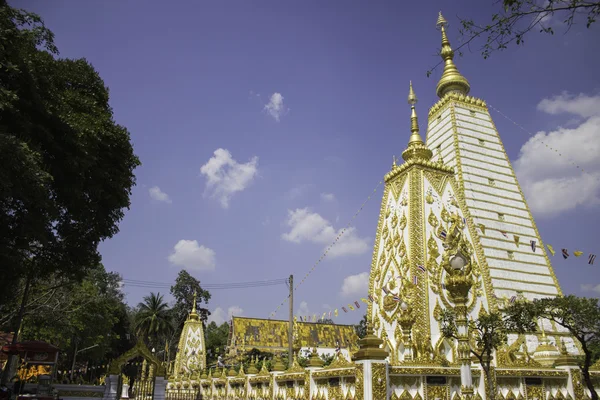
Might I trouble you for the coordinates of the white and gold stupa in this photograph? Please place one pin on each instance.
(453, 217)
(191, 352)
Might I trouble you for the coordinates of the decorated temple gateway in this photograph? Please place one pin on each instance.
(442, 243)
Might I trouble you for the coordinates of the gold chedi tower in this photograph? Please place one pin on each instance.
(455, 232)
(191, 354)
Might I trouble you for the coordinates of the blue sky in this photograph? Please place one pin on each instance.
(262, 127)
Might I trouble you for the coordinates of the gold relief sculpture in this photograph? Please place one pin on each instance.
(378, 381)
(359, 391)
(438, 392)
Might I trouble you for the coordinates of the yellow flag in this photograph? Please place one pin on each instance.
(335, 312)
(577, 253)
(364, 300)
(482, 227)
(324, 314)
(350, 307)
(516, 240)
(314, 317)
(551, 249)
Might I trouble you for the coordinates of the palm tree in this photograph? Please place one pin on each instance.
(153, 319)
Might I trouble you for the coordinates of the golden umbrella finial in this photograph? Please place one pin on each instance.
(451, 80)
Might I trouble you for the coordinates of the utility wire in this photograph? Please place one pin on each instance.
(212, 286)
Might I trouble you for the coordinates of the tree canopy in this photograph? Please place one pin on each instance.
(579, 315)
(66, 170)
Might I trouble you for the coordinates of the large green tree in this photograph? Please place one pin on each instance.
(77, 315)
(216, 340)
(183, 291)
(66, 170)
(579, 315)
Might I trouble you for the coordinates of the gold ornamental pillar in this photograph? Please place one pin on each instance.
(458, 281)
(372, 367)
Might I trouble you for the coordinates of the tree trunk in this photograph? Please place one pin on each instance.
(10, 363)
(588, 381)
(491, 394)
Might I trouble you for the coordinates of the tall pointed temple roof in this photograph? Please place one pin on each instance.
(191, 351)
(456, 194)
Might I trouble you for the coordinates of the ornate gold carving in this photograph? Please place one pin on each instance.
(359, 391)
(438, 392)
(378, 381)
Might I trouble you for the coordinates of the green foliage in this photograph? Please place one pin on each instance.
(579, 315)
(488, 333)
(327, 358)
(90, 313)
(361, 328)
(216, 340)
(66, 170)
(153, 322)
(183, 292)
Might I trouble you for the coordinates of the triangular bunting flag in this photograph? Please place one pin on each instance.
(356, 304)
(335, 312)
(350, 307)
(591, 259)
(482, 227)
(364, 300)
(344, 308)
(565, 253)
(578, 253)
(533, 245)
(516, 240)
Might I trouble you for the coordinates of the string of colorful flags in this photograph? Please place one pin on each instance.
(352, 306)
(533, 244)
(338, 237)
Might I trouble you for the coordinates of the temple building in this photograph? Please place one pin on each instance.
(191, 351)
(454, 233)
(271, 336)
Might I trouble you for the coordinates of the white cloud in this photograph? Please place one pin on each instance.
(307, 226)
(551, 182)
(159, 195)
(327, 196)
(303, 309)
(219, 316)
(191, 255)
(587, 287)
(355, 285)
(225, 176)
(275, 106)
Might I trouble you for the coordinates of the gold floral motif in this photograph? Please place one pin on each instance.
(438, 392)
(359, 382)
(378, 381)
(403, 222)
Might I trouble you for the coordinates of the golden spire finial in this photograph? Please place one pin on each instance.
(194, 314)
(451, 80)
(416, 147)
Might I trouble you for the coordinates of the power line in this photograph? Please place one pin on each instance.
(212, 286)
